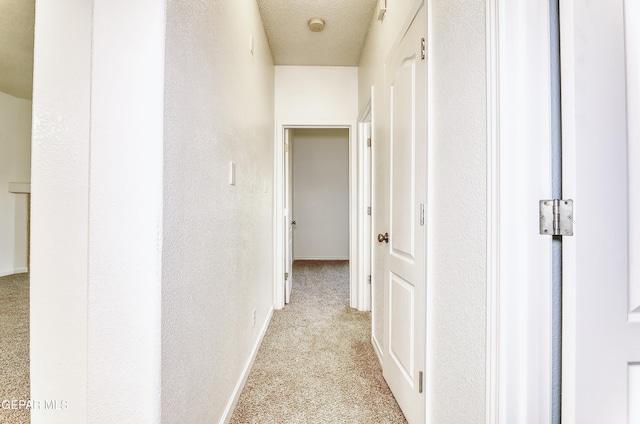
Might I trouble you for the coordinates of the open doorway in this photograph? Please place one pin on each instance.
(317, 197)
(292, 240)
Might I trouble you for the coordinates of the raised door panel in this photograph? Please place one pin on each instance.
(402, 152)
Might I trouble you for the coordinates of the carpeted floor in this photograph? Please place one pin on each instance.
(14, 346)
(316, 363)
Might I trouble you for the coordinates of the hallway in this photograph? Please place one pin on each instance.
(316, 362)
(157, 207)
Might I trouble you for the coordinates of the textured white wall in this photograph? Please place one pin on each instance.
(60, 209)
(96, 211)
(321, 193)
(457, 198)
(125, 211)
(218, 242)
(15, 166)
(316, 93)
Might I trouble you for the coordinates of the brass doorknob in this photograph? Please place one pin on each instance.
(383, 238)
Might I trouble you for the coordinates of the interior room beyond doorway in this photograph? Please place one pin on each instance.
(320, 193)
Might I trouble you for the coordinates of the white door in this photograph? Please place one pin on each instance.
(601, 173)
(404, 266)
(288, 216)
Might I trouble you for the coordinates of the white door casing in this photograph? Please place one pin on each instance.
(519, 316)
(404, 258)
(279, 220)
(288, 215)
(600, 47)
(364, 285)
(367, 187)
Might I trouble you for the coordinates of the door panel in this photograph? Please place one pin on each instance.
(601, 346)
(405, 260)
(402, 147)
(401, 334)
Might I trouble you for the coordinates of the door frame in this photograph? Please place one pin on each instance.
(288, 223)
(568, 183)
(278, 214)
(519, 316)
(365, 186)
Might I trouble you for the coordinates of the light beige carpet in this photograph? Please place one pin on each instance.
(316, 363)
(14, 347)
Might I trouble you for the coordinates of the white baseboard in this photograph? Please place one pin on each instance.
(13, 271)
(377, 348)
(322, 258)
(237, 391)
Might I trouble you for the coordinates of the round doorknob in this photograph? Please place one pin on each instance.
(383, 238)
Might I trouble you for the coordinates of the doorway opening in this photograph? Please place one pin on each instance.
(291, 236)
(316, 197)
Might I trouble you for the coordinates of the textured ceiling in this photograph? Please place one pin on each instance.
(341, 42)
(16, 47)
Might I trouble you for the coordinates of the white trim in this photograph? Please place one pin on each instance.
(519, 321)
(321, 258)
(567, 80)
(278, 177)
(377, 349)
(493, 216)
(364, 232)
(14, 271)
(237, 391)
(374, 193)
(353, 215)
(430, 294)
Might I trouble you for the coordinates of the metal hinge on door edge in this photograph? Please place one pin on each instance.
(556, 217)
(423, 48)
(286, 276)
(369, 142)
(420, 378)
